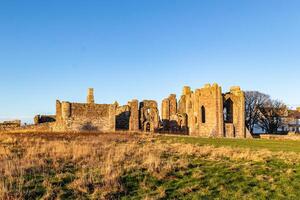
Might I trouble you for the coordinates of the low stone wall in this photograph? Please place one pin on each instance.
(280, 137)
(51, 127)
(7, 125)
(44, 127)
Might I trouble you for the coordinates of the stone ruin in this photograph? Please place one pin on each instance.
(204, 112)
(8, 125)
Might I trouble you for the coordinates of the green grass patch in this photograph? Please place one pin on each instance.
(223, 179)
(255, 144)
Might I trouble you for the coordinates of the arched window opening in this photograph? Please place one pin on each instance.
(203, 115)
(228, 111)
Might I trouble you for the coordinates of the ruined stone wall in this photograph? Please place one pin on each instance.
(237, 97)
(47, 127)
(172, 120)
(8, 125)
(205, 111)
(207, 119)
(168, 109)
(58, 111)
(134, 124)
(186, 105)
(165, 110)
(123, 117)
(229, 130)
(173, 104)
(149, 116)
(39, 119)
(86, 117)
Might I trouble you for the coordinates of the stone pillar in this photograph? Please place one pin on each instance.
(165, 114)
(182, 105)
(186, 90)
(165, 109)
(190, 99)
(173, 104)
(90, 97)
(58, 111)
(66, 110)
(134, 115)
(238, 97)
(112, 117)
(219, 111)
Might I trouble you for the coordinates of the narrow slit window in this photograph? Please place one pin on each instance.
(203, 114)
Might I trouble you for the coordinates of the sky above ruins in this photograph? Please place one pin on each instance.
(143, 49)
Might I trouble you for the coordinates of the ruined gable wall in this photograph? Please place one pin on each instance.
(149, 115)
(210, 100)
(238, 98)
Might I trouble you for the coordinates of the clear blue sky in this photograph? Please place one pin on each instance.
(143, 49)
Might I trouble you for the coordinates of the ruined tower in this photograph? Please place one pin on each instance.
(90, 97)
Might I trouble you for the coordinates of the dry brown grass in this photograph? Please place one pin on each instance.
(101, 160)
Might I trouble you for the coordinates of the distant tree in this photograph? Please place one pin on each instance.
(272, 116)
(254, 101)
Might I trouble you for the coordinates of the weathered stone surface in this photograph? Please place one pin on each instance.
(178, 123)
(165, 109)
(81, 117)
(134, 115)
(209, 112)
(123, 117)
(7, 125)
(173, 104)
(235, 111)
(149, 116)
(90, 97)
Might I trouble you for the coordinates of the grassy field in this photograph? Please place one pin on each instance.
(123, 166)
(254, 144)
